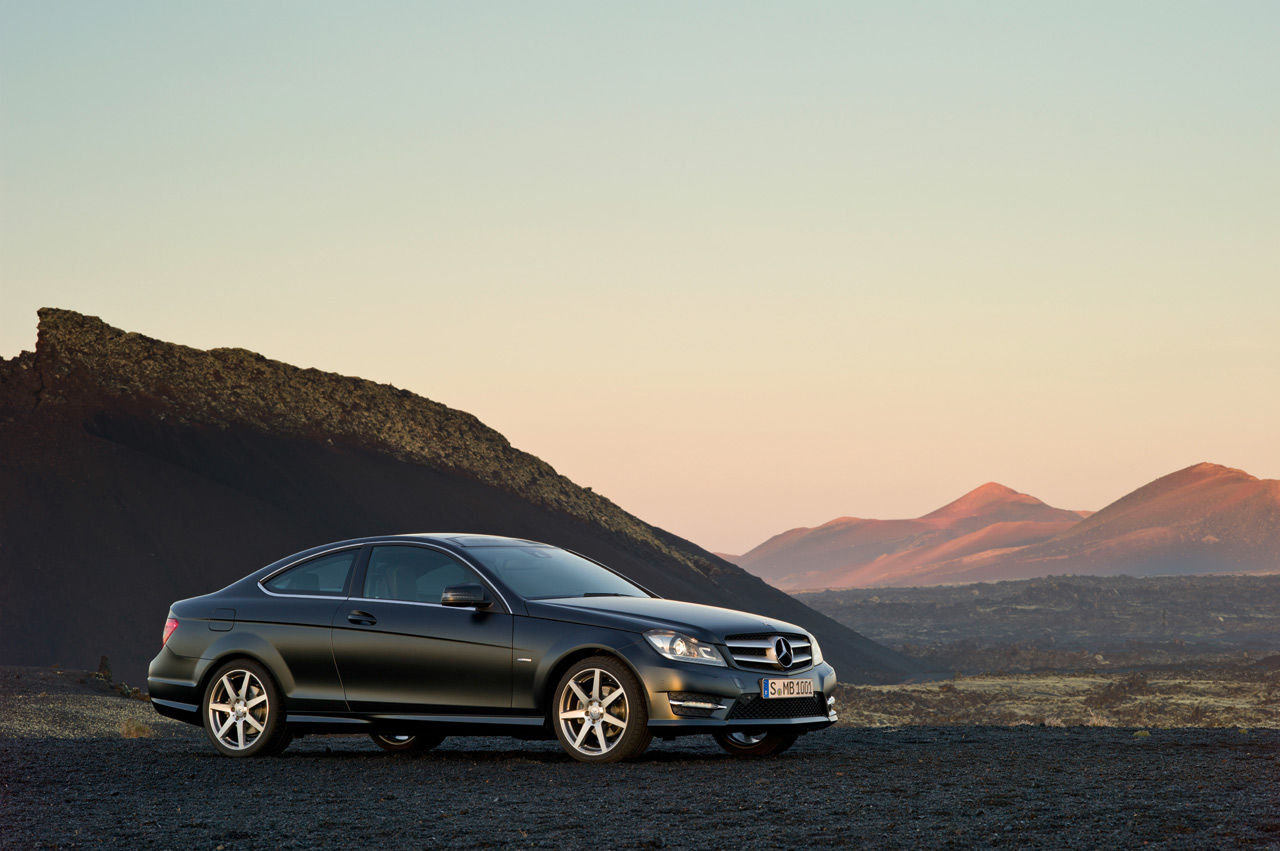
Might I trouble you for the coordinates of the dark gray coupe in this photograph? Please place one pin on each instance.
(411, 638)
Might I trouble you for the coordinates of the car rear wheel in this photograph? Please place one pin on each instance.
(600, 713)
(756, 742)
(406, 742)
(243, 711)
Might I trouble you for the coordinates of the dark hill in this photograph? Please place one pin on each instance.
(135, 472)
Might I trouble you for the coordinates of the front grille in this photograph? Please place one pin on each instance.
(752, 707)
(758, 651)
(678, 698)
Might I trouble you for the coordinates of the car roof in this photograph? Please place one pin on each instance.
(470, 540)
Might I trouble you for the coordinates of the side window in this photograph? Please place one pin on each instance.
(415, 574)
(325, 575)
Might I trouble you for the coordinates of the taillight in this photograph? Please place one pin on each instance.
(169, 626)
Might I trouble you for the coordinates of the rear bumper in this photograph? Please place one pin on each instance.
(173, 682)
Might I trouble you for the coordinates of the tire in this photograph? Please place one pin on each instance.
(243, 711)
(599, 712)
(285, 741)
(406, 742)
(755, 743)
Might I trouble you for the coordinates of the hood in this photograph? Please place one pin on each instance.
(637, 614)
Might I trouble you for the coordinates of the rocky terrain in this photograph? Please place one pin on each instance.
(135, 472)
(1203, 519)
(1071, 623)
(1234, 697)
(1022, 786)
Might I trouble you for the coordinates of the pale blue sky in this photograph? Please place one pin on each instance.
(739, 267)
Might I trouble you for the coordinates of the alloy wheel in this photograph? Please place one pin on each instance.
(239, 709)
(593, 712)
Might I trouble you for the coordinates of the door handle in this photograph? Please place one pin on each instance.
(362, 618)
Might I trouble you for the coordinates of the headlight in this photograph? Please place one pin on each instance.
(683, 648)
(815, 650)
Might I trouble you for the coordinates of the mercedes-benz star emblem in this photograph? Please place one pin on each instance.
(782, 651)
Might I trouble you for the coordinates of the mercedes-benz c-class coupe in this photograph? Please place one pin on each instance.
(412, 638)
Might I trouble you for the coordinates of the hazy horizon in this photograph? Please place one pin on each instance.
(737, 268)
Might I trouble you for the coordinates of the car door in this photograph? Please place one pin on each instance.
(295, 618)
(399, 651)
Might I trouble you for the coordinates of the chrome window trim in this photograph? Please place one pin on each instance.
(403, 602)
(338, 597)
(262, 583)
(464, 562)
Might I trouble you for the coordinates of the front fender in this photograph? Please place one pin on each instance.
(541, 650)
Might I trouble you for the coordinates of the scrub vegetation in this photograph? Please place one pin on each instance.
(1234, 697)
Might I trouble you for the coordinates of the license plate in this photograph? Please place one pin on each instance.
(786, 688)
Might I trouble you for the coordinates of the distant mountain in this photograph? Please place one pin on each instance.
(1204, 519)
(135, 472)
(851, 552)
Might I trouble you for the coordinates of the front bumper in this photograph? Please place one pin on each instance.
(736, 692)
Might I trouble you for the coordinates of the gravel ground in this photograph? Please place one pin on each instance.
(62, 704)
(914, 787)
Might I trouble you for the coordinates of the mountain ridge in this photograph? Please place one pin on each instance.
(1202, 518)
(848, 551)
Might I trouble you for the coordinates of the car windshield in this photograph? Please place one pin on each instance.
(537, 573)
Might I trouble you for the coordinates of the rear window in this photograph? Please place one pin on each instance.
(324, 575)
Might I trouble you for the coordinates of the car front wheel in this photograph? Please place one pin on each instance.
(406, 742)
(599, 712)
(243, 711)
(757, 743)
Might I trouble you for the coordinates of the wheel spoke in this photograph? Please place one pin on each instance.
(579, 692)
(604, 745)
(604, 704)
(254, 722)
(240, 732)
(222, 731)
(220, 707)
(259, 699)
(614, 720)
(227, 688)
(244, 687)
(595, 686)
(573, 715)
(582, 735)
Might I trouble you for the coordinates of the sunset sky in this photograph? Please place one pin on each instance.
(739, 267)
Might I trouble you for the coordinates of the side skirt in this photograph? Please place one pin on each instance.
(520, 726)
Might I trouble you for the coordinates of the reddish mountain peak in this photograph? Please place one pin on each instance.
(1206, 468)
(1180, 498)
(984, 499)
(840, 521)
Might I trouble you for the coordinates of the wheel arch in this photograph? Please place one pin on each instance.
(273, 663)
(573, 657)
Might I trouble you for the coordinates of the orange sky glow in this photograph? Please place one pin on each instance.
(739, 269)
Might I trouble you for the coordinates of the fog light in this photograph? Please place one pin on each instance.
(694, 704)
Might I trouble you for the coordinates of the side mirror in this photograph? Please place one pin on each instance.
(465, 596)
